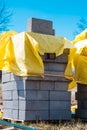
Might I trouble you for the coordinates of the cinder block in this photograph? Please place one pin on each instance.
(7, 113)
(60, 95)
(35, 78)
(6, 77)
(22, 95)
(7, 95)
(62, 58)
(47, 85)
(40, 26)
(55, 78)
(33, 105)
(8, 104)
(32, 85)
(60, 105)
(60, 67)
(33, 115)
(60, 115)
(9, 86)
(15, 114)
(34, 95)
(16, 104)
(61, 86)
(15, 94)
(20, 85)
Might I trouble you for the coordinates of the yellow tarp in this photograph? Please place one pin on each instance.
(20, 53)
(6, 51)
(78, 60)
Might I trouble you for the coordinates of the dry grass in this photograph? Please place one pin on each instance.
(72, 125)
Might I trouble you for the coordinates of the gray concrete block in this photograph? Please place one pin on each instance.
(33, 115)
(32, 84)
(8, 104)
(34, 95)
(7, 113)
(7, 95)
(33, 105)
(55, 78)
(22, 95)
(62, 58)
(9, 86)
(60, 115)
(16, 104)
(60, 105)
(14, 85)
(6, 77)
(61, 86)
(40, 26)
(15, 114)
(15, 94)
(47, 85)
(51, 57)
(20, 85)
(60, 95)
(60, 67)
(35, 78)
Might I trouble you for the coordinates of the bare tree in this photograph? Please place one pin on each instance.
(81, 25)
(5, 17)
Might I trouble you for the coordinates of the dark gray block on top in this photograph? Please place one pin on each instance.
(47, 57)
(40, 26)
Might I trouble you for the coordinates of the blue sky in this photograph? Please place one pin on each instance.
(64, 14)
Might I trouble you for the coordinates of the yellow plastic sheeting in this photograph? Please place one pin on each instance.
(21, 52)
(49, 43)
(28, 46)
(6, 52)
(81, 36)
(73, 108)
(27, 59)
(78, 60)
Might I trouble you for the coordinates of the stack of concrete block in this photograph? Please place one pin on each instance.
(33, 98)
(81, 97)
(40, 26)
(42, 98)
